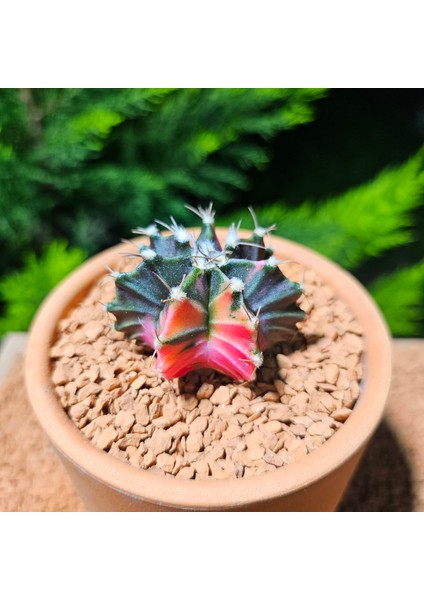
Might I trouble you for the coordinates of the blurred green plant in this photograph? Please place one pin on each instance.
(401, 297)
(23, 291)
(87, 165)
(363, 223)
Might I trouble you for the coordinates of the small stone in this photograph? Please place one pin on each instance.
(149, 459)
(327, 387)
(331, 373)
(298, 429)
(245, 391)
(171, 414)
(154, 410)
(283, 361)
(232, 432)
(78, 411)
(221, 396)
(280, 413)
(161, 441)
(279, 386)
(217, 451)
(157, 392)
(341, 414)
(202, 468)
(124, 420)
(320, 428)
(205, 408)
(194, 442)
(271, 397)
(126, 402)
(273, 459)
(293, 385)
(132, 440)
(273, 426)
(178, 430)
(69, 350)
(328, 402)
(138, 383)
(142, 415)
(354, 389)
(60, 375)
(91, 389)
(205, 391)
(186, 473)
(92, 330)
(199, 424)
(314, 441)
(303, 420)
(165, 462)
(255, 452)
(110, 384)
(106, 437)
(187, 402)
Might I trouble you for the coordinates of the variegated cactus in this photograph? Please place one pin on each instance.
(203, 306)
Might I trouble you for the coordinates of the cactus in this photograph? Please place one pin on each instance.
(199, 305)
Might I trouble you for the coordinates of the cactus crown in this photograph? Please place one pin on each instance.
(201, 305)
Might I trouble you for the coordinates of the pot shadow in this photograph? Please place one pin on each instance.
(383, 481)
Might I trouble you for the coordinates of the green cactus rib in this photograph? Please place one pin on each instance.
(200, 305)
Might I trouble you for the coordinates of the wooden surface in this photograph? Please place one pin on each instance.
(390, 477)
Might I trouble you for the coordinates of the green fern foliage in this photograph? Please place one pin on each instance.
(363, 222)
(22, 292)
(74, 161)
(400, 296)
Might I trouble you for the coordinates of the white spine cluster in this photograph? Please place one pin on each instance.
(236, 284)
(147, 253)
(149, 231)
(177, 294)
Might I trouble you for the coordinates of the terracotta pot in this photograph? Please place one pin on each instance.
(314, 483)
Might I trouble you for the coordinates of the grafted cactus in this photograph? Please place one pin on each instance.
(200, 305)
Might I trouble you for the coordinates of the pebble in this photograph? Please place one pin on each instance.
(194, 442)
(138, 383)
(283, 361)
(161, 441)
(201, 468)
(142, 415)
(205, 391)
(341, 414)
(165, 462)
(186, 473)
(199, 424)
(280, 413)
(92, 330)
(124, 420)
(331, 373)
(320, 428)
(106, 437)
(221, 396)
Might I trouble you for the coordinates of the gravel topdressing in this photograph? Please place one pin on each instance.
(204, 424)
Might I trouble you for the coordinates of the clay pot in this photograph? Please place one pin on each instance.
(313, 483)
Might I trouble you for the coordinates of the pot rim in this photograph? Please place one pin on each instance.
(210, 494)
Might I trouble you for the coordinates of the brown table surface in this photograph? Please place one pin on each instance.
(389, 478)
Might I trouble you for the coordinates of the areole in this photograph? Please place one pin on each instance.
(315, 482)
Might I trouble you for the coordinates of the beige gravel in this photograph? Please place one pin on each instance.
(205, 425)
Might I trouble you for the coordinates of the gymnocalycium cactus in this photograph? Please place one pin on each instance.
(203, 306)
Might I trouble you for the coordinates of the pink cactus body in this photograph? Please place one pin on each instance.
(203, 306)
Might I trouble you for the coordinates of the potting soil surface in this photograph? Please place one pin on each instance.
(206, 425)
